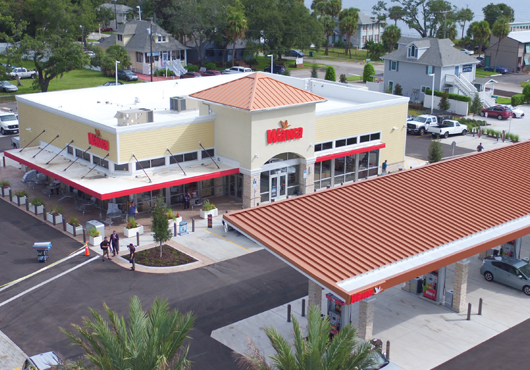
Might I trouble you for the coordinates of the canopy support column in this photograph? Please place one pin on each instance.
(366, 318)
(460, 288)
(315, 295)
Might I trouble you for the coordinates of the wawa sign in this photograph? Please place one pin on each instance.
(366, 294)
(284, 133)
(97, 141)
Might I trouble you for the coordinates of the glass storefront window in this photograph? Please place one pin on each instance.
(100, 161)
(207, 188)
(121, 167)
(264, 182)
(190, 156)
(176, 194)
(142, 165)
(317, 171)
(158, 162)
(326, 169)
(176, 158)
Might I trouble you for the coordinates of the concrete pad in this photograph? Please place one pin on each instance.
(11, 356)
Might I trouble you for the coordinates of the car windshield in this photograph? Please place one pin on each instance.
(128, 72)
(525, 269)
(420, 119)
(379, 361)
(447, 124)
(9, 117)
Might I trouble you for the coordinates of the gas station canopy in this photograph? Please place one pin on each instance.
(362, 238)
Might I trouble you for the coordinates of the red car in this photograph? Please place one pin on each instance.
(190, 75)
(497, 111)
(212, 72)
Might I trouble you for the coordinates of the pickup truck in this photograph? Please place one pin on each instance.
(22, 72)
(232, 70)
(8, 122)
(448, 127)
(421, 124)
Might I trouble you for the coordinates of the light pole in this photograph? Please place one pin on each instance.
(82, 35)
(139, 11)
(272, 62)
(115, 16)
(117, 62)
(432, 93)
(150, 33)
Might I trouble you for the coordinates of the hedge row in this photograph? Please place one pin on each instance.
(470, 122)
(451, 95)
(517, 99)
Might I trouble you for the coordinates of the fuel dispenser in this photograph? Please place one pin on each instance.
(434, 285)
(339, 313)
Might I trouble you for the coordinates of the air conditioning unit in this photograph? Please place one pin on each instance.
(177, 103)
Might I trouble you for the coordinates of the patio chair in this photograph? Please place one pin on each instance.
(196, 203)
(47, 192)
(80, 207)
(64, 194)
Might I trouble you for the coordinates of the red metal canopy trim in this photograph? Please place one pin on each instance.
(350, 152)
(125, 192)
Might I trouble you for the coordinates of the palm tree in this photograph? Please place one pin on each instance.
(328, 24)
(396, 13)
(348, 20)
(391, 36)
(317, 351)
(333, 8)
(150, 340)
(481, 31)
(236, 25)
(501, 29)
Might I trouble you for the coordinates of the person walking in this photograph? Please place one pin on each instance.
(384, 166)
(132, 210)
(480, 147)
(115, 242)
(132, 250)
(105, 248)
(187, 198)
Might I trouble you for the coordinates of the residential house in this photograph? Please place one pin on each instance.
(214, 53)
(135, 36)
(369, 29)
(120, 13)
(419, 64)
(514, 50)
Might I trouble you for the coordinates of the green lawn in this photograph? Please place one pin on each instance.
(501, 100)
(482, 73)
(354, 78)
(338, 54)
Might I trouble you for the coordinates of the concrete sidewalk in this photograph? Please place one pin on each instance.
(11, 356)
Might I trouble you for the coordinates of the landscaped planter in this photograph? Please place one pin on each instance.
(172, 222)
(58, 218)
(5, 191)
(78, 229)
(213, 212)
(95, 240)
(129, 233)
(22, 200)
(40, 209)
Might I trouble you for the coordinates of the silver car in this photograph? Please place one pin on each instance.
(7, 86)
(508, 271)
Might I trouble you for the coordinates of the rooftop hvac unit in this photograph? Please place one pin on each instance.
(177, 103)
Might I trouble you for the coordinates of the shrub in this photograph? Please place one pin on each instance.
(74, 221)
(21, 193)
(330, 74)
(526, 92)
(162, 72)
(209, 65)
(451, 95)
(314, 70)
(343, 79)
(518, 99)
(131, 223)
(36, 201)
(55, 210)
(339, 44)
(435, 151)
(367, 71)
(5, 183)
(170, 215)
(192, 68)
(476, 105)
(398, 90)
(444, 102)
(470, 122)
(93, 232)
(287, 71)
(207, 206)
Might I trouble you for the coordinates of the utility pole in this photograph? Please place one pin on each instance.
(445, 19)
(115, 15)
(151, 50)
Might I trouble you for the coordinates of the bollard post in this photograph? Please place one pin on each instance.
(43, 212)
(54, 221)
(3, 195)
(64, 223)
(175, 229)
(34, 208)
(480, 306)
(10, 195)
(27, 204)
(303, 307)
(387, 354)
(192, 225)
(137, 239)
(4, 159)
(288, 313)
(468, 311)
(84, 234)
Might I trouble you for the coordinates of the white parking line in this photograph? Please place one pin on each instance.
(47, 281)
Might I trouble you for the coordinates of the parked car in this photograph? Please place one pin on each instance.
(276, 69)
(8, 123)
(480, 64)
(468, 52)
(112, 83)
(517, 113)
(190, 75)
(381, 363)
(507, 270)
(498, 69)
(127, 75)
(106, 29)
(7, 86)
(22, 72)
(42, 361)
(294, 53)
(232, 70)
(211, 72)
(498, 111)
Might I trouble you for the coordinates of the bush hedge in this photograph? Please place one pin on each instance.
(470, 122)
(451, 96)
(192, 68)
(517, 99)
(162, 72)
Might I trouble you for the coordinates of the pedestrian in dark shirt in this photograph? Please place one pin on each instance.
(480, 148)
(187, 198)
(132, 250)
(132, 210)
(115, 242)
(384, 166)
(105, 248)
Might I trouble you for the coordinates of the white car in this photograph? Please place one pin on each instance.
(232, 70)
(468, 52)
(516, 112)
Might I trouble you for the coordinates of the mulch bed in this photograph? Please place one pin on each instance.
(170, 257)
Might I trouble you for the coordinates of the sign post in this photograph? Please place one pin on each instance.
(453, 146)
(254, 186)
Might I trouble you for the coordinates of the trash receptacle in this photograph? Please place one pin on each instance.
(311, 53)
(98, 225)
(449, 298)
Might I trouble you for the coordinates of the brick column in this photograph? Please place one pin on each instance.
(460, 288)
(315, 294)
(366, 318)
(309, 181)
(249, 196)
(406, 287)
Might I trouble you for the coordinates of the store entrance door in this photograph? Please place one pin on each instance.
(278, 186)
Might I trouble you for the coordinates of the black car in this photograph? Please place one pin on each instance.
(295, 53)
(125, 74)
(276, 69)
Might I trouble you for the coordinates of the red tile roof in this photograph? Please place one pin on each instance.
(346, 231)
(257, 92)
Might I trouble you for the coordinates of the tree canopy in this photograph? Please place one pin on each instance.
(492, 12)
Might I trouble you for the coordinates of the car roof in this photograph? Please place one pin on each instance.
(510, 260)
(44, 360)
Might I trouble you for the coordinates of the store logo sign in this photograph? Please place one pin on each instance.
(97, 141)
(362, 295)
(284, 133)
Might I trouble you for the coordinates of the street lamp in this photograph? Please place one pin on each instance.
(149, 32)
(139, 11)
(117, 62)
(272, 62)
(82, 35)
(432, 92)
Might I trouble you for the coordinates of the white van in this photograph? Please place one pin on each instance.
(42, 361)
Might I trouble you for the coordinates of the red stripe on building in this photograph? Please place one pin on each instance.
(125, 192)
(350, 152)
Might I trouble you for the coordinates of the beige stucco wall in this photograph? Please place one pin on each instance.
(38, 120)
(370, 120)
(153, 143)
(232, 133)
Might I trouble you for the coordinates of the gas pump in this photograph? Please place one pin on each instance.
(338, 312)
(434, 285)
